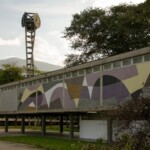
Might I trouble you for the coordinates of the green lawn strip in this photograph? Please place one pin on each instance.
(50, 128)
(47, 143)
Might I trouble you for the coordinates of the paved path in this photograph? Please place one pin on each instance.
(15, 146)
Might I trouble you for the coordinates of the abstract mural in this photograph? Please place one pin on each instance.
(118, 85)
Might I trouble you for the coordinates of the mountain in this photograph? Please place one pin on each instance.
(43, 66)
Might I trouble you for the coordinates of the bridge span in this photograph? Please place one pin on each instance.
(86, 90)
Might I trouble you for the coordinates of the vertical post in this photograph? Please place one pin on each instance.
(109, 130)
(6, 123)
(43, 118)
(101, 86)
(35, 121)
(71, 126)
(29, 121)
(22, 124)
(36, 100)
(63, 91)
(15, 120)
(61, 124)
(78, 122)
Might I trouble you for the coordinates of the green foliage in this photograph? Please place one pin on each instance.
(98, 145)
(126, 141)
(134, 125)
(77, 146)
(36, 70)
(10, 73)
(98, 33)
(132, 142)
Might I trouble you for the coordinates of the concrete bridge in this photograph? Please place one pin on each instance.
(86, 91)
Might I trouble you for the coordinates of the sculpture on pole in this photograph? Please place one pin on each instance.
(31, 21)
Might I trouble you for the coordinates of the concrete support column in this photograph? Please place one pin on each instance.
(16, 121)
(22, 124)
(71, 126)
(6, 123)
(109, 130)
(61, 124)
(43, 121)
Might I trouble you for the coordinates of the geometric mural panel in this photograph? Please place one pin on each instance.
(119, 85)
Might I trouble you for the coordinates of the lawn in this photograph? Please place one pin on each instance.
(51, 143)
(47, 143)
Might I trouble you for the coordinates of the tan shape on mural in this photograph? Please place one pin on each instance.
(40, 88)
(26, 94)
(138, 81)
(76, 101)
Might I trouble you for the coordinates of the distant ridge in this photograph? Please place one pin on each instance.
(43, 66)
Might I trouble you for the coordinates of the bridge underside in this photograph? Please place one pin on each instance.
(73, 118)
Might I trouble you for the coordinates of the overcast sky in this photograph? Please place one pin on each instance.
(55, 16)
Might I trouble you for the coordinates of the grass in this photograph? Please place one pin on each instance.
(51, 143)
(47, 143)
(51, 128)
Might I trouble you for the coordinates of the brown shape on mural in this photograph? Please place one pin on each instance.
(74, 90)
(31, 109)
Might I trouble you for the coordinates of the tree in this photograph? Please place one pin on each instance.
(36, 71)
(10, 73)
(133, 121)
(98, 33)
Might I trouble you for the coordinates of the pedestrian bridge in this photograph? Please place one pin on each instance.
(96, 86)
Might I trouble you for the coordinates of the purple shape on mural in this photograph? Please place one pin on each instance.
(96, 90)
(40, 98)
(57, 94)
(96, 93)
(123, 73)
(117, 90)
(92, 78)
(26, 103)
(56, 104)
(33, 87)
(68, 103)
(84, 93)
(76, 80)
(44, 102)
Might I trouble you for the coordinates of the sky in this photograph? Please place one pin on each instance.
(55, 15)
